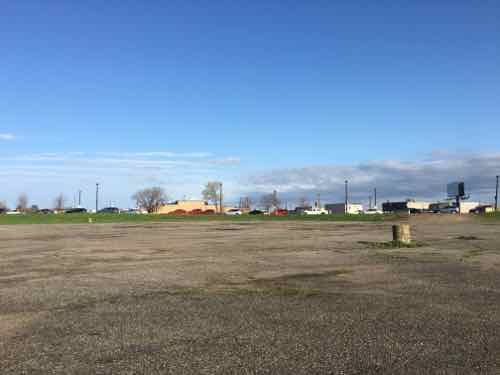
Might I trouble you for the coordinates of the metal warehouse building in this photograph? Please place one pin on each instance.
(340, 208)
(408, 206)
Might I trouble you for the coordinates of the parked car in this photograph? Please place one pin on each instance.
(196, 211)
(77, 210)
(372, 211)
(279, 212)
(109, 210)
(316, 211)
(233, 212)
(13, 213)
(448, 210)
(485, 209)
(256, 212)
(179, 211)
(45, 211)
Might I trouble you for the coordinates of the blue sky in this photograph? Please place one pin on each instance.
(180, 92)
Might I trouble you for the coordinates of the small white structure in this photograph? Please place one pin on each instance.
(409, 206)
(467, 207)
(341, 208)
(418, 205)
(316, 211)
(233, 212)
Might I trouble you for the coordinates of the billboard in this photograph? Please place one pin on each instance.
(456, 189)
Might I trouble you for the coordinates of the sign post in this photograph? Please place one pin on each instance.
(456, 190)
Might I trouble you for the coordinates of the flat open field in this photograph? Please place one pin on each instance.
(256, 297)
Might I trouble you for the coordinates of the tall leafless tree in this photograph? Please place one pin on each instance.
(269, 201)
(59, 202)
(22, 202)
(245, 202)
(3, 207)
(213, 193)
(150, 199)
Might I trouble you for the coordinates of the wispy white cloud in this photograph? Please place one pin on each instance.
(7, 136)
(159, 154)
(137, 159)
(120, 173)
(225, 161)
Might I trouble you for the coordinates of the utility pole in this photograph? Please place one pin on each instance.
(346, 197)
(220, 198)
(496, 197)
(79, 198)
(96, 197)
(319, 200)
(375, 197)
(370, 200)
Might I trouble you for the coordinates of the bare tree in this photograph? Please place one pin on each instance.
(213, 193)
(59, 202)
(22, 202)
(245, 202)
(269, 201)
(150, 199)
(303, 202)
(3, 207)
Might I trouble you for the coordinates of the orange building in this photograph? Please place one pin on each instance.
(187, 206)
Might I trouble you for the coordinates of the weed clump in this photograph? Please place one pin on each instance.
(393, 244)
(467, 238)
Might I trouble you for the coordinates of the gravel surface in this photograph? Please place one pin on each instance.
(250, 298)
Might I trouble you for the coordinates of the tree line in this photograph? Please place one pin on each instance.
(22, 204)
(152, 198)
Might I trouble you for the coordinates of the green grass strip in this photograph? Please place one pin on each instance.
(78, 218)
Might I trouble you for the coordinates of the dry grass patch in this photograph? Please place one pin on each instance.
(393, 244)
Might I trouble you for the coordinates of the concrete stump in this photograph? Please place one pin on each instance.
(401, 233)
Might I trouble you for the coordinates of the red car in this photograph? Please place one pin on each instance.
(178, 212)
(196, 211)
(279, 212)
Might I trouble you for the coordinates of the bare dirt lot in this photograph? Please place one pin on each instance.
(250, 298)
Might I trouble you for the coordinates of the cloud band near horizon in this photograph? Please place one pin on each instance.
(394, 180)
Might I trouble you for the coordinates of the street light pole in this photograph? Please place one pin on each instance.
(220, 199)
(96, 197)
(496, 196)
(346, 197)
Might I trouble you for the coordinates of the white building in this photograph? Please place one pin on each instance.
(340, 208)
